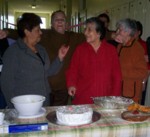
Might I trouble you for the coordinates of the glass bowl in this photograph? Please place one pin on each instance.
(112, 102)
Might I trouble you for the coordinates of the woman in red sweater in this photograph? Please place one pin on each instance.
(94, 69)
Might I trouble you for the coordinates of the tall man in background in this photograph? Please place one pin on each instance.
(52, 40)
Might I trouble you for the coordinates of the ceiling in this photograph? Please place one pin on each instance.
(42, 6)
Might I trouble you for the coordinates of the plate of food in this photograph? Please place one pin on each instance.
(136, 113)
(134, 116)
(73, 116)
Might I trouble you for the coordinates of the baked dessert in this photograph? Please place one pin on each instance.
(133, 107)
(136, 112)
(138, 107)
(134, 116)
(74, 115)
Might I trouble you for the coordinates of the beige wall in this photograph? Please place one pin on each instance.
(119, 9)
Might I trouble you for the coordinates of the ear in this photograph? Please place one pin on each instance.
(99, 34)
(67, 26)
(26, 32)
(128, 32)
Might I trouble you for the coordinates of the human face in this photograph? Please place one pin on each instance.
(104, 20)
(59, 22)
(34, 36)
(91, 34)
(122, 35)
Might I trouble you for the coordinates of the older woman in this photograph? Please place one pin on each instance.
(94, 69)
(131, 54)
(26, 64)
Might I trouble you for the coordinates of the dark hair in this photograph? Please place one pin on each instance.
(139, 27)
(55, 12)
(148, 48)
(99, 26)
(104, 15)
(27, 21)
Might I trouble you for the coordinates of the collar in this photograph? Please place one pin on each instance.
(27, 50)
(130, 43)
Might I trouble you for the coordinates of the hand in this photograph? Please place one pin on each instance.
(71, 91)
(3, 34)
(146, 58)
(62, 52)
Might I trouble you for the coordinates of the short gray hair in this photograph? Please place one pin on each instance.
(128, 25)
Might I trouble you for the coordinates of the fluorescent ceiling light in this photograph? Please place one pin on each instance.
(33, 6)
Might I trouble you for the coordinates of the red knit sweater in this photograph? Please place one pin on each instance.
(94, 73)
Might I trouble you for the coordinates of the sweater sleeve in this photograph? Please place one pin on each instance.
(8, 74)
(52, 67)
(55, 67)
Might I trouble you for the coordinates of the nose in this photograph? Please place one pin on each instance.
(85, 31)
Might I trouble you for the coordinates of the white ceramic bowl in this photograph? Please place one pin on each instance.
(27, 105)
(2, 115)
(112, 102)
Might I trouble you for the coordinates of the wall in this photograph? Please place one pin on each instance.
(102, 5)
(119, 9)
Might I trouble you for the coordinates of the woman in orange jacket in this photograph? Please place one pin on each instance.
(131, 55)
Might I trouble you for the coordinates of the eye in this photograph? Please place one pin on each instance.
(84, 30)
(62, 20)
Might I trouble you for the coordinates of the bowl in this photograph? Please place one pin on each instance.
(27, 105)
(112, 102)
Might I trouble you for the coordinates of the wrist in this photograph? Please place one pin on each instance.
(60, 59)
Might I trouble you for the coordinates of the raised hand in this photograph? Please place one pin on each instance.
(62, 52)
(3, 34)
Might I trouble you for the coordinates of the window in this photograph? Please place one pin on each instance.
(43, 25)
(11, 22)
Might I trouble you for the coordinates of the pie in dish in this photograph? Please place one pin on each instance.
(136, 113)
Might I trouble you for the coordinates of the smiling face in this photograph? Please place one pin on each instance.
(122, 35)
(59, 22)
(126, 31)
(91, 34)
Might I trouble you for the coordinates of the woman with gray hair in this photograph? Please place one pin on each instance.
(131, 54)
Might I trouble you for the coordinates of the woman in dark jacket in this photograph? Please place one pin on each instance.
(26, 65)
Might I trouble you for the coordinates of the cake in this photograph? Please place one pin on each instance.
(74, 115)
